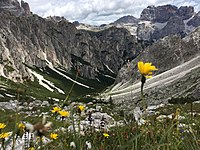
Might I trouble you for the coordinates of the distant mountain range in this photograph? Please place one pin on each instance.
(156, 22)
(42, 55)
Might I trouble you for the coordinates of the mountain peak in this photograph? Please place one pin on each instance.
(126, 19)
(162, 14)
(14, 7)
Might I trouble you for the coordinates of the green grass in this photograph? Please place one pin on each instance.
(162, 135)
(34, 89)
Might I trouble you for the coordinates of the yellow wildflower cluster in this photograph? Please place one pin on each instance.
(61, 112)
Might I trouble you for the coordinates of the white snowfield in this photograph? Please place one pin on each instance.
(121, 91)
(46, 83)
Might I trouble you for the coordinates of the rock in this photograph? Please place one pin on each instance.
(159, 14)
(165, 20)
(13, 6)
(26, 7)
(175, 25)
(186, 12)
(195, 21)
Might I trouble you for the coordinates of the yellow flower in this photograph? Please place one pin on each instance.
(64, 113)
(2, 125)
(21, 126)
(31, 148)
(4, 135)
(106, 135)
(146, 69)
(81, 107)
(54, 136)
(56, 109)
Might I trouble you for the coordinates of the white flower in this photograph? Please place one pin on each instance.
(72, 144)
(137, 113)
(88, 145)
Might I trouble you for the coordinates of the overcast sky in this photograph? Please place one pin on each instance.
(98, 12)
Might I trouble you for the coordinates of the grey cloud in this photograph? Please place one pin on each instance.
(99, 11)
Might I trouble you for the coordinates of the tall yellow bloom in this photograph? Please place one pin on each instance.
(54, 136)
(64, 113)
(4, 135)
(56, 109)
(81, 107)
(146, 69)
(2, 125)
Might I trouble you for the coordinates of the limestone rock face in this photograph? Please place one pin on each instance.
(163, 13)
(159, 14)
(35, 41)
(195, 21)
(157, 22)
(26, 7)
(186, 12)
(175, 25)
(13, 6)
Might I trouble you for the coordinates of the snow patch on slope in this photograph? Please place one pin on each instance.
(47, 86)
(1, 70)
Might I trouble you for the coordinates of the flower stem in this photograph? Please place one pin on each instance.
(143, 80)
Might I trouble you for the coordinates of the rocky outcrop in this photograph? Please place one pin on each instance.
(175, 25)
(185, 12)
(25, 7)
(195, 21)
(163, 13)
(13, 6)
(159, 14)
(166, 20)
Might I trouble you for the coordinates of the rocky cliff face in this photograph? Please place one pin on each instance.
(14, 7)
(167, 20)
(34, 41)
(162, 14)
(195, 21)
